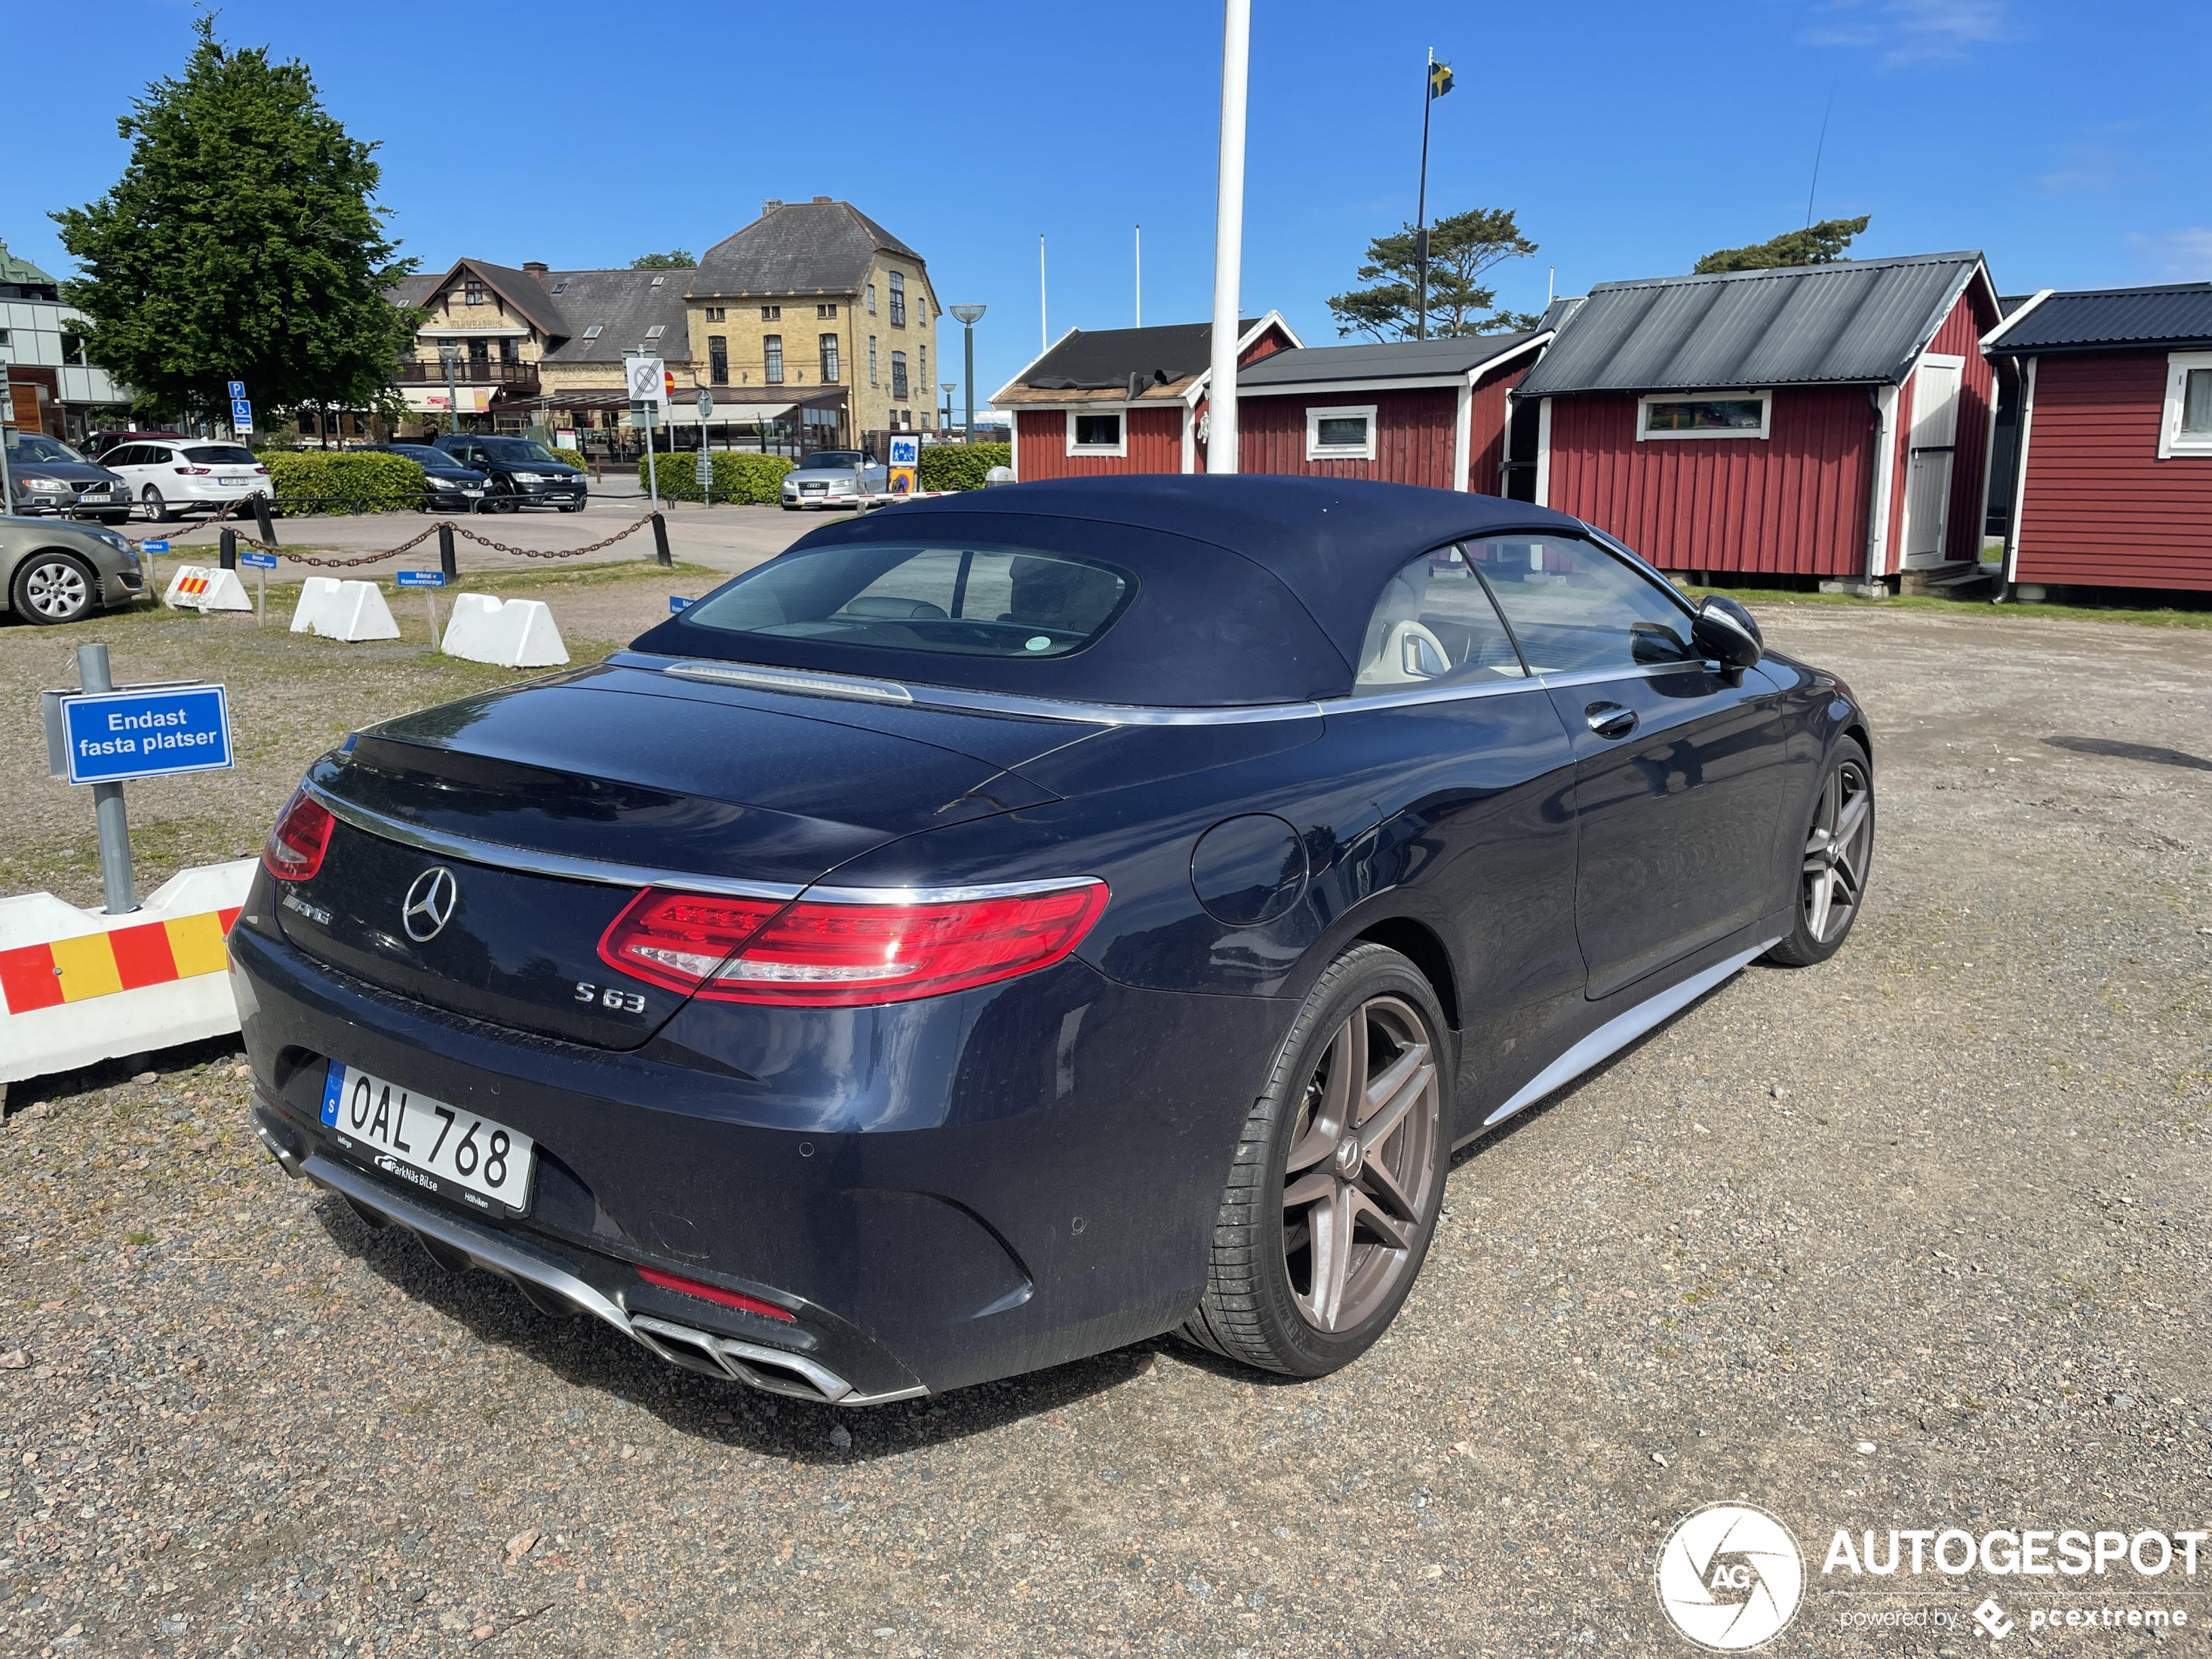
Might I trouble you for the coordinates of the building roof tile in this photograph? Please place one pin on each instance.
(2088, 319)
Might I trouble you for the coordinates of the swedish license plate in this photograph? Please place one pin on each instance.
(221, 480)
(426, 1143)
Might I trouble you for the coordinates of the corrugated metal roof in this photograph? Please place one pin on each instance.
(1855, 321)
(2180, 314)
(1444, 359)
(1094, 359)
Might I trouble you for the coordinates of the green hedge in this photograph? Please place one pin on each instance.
(755, 481)
(335, 480)
(962, 466)
(574, 457)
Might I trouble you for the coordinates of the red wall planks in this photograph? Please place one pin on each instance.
(1413, 434)
(1794, 502)
(1153, 438)
(2101, 509)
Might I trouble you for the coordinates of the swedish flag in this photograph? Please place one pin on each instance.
(1440, 79)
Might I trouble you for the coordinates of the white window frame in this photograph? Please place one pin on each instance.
(1764, 398)
(1120, 447)
(1315, 450)
(2171, 444)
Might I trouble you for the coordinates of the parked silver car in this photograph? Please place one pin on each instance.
(54, 572)
(832, 478)
(49, 476)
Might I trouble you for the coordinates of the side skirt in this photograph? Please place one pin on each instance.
(1624, 1028)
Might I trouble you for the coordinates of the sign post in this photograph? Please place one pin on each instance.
(103, 736)
(146, 550)
(647, 377)
(241, 411)
(704, 471)
(906, 464)
(260, 563)
(429, 582)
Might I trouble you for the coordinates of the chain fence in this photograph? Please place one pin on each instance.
(340, 562)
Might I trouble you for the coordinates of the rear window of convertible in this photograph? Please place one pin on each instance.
(999, 602)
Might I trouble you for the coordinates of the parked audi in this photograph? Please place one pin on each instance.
(832, 478)
(49, 476)
(523, 472)
(1035, 921)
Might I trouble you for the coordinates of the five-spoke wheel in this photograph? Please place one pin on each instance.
(1338, 1176)
(1839, 851)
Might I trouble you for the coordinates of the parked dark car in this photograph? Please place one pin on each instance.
(448, 487)
(100, 442)
(49, 476)
(523, 472)
(1028, 922)
(54, 572)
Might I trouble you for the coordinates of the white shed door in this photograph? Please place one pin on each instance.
(1927, 488)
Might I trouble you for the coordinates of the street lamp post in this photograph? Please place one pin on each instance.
(969, 316)
(947, 389)
(450, 356)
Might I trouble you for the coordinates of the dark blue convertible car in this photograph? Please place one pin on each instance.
(1012, 926)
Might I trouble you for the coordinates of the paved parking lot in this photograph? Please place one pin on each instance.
(1912, 1239)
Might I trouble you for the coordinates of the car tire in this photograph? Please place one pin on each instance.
(113, 519)
(501, 504)
(158, 507)
(1315, 1248)
(54, 588)
(574, 507)
(1836, 856)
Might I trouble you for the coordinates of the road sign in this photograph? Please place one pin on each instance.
(146, 732)
(648, 381)
(237, 391)
(153, 547)
(906, 464)
(703, 469)
(420, 578)
(706, 404)
(254, 561)
(676, 603)
(241, 416)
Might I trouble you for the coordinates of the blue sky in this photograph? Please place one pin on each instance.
(1630, 137)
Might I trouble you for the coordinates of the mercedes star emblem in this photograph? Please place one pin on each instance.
(428, 905)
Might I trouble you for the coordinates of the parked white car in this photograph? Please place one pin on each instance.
(832, 478)
(171, 478)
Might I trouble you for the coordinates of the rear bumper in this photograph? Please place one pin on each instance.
(941, 1193)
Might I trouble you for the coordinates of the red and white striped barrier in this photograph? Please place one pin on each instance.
(76, 986)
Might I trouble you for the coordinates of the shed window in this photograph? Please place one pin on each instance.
(1704, 415)
(1096, 434)
(2186, 428)
(1341, 433)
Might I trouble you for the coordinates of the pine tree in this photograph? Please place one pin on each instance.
(1821, 244)
(1461, 249)
(240, 243)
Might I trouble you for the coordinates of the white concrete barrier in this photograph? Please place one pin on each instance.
(197, 587)
(518, 633)
(348, 610)
(77, 986)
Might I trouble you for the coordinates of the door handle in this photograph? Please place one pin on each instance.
(1610, 720)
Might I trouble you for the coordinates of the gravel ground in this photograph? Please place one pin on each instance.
(1913, 1239)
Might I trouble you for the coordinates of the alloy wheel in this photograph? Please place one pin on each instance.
(1357, 1184)
(1835, 864)
(57, 590)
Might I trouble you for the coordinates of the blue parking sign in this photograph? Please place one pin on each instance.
(238, 390)
(116, 735)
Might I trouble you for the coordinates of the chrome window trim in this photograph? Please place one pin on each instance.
(1360, 702)
(946, 895)
(1035, 708)
(1634, 671)
(500, 856)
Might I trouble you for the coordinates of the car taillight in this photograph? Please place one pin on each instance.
(715, 1293)
(817, 954)
(296, 844)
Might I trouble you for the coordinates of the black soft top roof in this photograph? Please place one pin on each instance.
(1251, 590)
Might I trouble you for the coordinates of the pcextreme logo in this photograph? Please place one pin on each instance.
(1730, 1576)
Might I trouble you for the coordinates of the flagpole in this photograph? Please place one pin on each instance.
(1420, 232)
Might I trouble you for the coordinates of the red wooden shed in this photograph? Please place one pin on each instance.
(1410, 412)
(1827, 421)
(1103, 402)
(2113, 486)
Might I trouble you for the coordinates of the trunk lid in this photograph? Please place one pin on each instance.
(519, 793)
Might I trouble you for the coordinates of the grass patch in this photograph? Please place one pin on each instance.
(2147, 617)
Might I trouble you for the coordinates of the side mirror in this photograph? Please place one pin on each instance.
(1725, 632)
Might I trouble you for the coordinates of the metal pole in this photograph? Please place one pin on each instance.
(1420, 212)
(226, 549)
(1228, 236)
(107, 800)
(968, 380)
(446, 560)
(661, 556)
(1140, 276)
(652, 472)
(453, 401)
(1044, 333)
(7, 477)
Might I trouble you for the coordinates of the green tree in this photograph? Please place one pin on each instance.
(240, 243)
(1460, 250)
(675, 259)
(1821, 244)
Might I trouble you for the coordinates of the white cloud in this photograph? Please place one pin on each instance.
(2178, 256)
(1906, 32)
(2083, 169)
